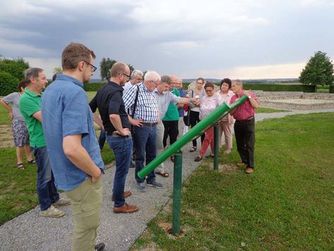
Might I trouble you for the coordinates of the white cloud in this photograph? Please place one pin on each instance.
(188, 38)
(257, 72)
(11, 49)
(47, 65)
(312, 3)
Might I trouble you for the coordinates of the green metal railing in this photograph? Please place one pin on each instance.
(194, 132)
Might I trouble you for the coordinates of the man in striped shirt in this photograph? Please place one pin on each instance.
(145, 112)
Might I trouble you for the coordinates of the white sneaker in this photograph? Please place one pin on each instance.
(62, 202)
(52, 212)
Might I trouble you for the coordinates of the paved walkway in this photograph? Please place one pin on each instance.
(118, 231)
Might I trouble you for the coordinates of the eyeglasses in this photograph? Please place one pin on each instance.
(126, 75)
(208, 90)
(154, 81)
(94, 68)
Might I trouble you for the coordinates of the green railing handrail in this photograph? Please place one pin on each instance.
(194, 132)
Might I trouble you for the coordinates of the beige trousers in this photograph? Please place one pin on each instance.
(86, 202)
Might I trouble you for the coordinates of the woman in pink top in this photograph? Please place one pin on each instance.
(209, 102)
(226, 123)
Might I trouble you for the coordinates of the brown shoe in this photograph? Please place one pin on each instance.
(125, 209)
(241, 164)
(125, 195)
(249, 170)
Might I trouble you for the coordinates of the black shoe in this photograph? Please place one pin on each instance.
(100, 246)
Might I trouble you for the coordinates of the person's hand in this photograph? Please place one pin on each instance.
(137, 122)
(124, 132)
(97, 175)
(247, 93)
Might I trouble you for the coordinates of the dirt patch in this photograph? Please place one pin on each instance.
(167, 227)
(224, 168)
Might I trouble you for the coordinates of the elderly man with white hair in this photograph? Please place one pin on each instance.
(136, 78)
(141, 102)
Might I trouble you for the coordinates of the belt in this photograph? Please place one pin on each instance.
(149, 124)
(245, 120)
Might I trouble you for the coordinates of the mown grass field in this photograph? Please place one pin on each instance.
(18, 187)
(287, 204)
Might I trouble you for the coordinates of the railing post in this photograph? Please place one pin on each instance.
(177, 184)
(216, 146)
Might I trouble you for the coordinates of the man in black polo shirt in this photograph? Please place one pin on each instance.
(115, 120)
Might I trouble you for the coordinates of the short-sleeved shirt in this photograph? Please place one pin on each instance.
(244, 111)
(65, 112)
(147, 105)
(164, 99)
(208, 105)
(109, 101)
(30, 103)
(172, 113)
(13, 99)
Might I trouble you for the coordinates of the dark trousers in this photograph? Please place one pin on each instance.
(194, 119)
(122, 148)
(46, 189)
(171, 130)
(244, 131)
(144, 140)
(102, 138)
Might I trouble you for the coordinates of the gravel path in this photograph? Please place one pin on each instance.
(118, 231)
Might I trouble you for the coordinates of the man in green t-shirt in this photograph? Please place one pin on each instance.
(30, 108)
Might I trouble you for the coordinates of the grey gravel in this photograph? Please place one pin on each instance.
(29, 231)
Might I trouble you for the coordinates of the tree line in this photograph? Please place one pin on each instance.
(318, 71)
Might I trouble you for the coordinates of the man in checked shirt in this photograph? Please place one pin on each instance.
(145, 119)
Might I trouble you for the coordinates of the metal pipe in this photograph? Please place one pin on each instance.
(216, 146)
(177, 185)
(197, 130)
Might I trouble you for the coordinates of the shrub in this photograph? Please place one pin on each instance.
(280, 88)
(8, 83)
(14, 67)
(91, 87)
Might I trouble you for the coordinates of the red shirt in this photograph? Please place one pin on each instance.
(244, 111)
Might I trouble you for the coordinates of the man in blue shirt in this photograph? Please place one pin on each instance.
(72, 145)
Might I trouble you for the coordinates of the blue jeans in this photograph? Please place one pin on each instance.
(145, 144)
(122, 148)
(46, 189)
(102, 138)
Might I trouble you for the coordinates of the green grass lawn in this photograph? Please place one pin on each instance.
(4, 119)
(287, 204)
(268, 110)
(18, 187)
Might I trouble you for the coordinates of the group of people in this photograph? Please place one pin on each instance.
(137, 113)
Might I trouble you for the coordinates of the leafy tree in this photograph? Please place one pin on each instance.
(14, 67)
(318, 70)
(105, 67)
(8, 83)
(57, 69)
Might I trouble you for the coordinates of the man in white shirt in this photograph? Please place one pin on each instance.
(136, 77)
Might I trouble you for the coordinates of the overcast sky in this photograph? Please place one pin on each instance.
(213, 38)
